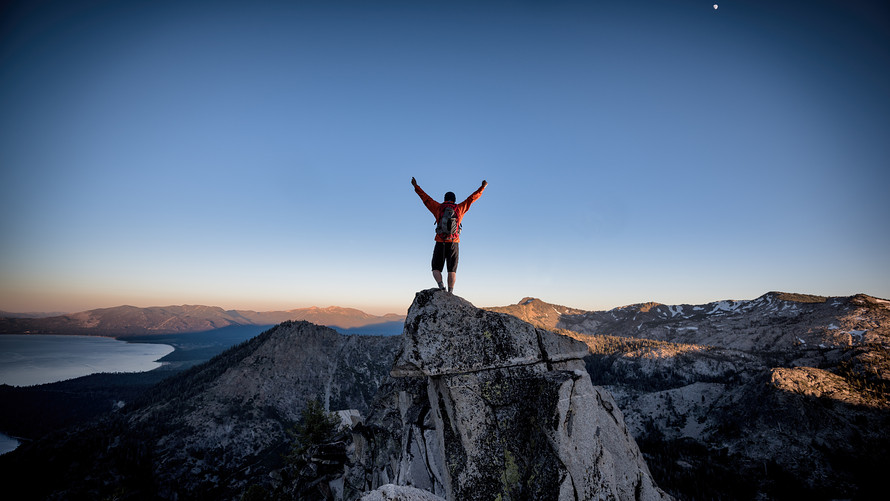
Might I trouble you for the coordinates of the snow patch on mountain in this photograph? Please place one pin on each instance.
(724, 306)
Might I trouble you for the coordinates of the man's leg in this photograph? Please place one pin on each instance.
(438, 263)
(438, 276)
(452, 256)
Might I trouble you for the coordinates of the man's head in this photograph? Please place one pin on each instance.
(449, 197)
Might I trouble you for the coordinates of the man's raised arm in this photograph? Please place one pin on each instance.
(465, 205)
(428, 201)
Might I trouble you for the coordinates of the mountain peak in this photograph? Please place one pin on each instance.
(448, 335)
(536, 311)
(641, 307)
(795, 297)
(507, 401)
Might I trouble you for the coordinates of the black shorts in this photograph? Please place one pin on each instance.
(445, 251)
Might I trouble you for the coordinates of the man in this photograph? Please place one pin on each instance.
(449, 216)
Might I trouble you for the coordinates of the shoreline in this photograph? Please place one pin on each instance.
(39, 359)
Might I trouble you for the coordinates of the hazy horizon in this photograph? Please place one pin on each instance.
(258, 156)
(382, 313)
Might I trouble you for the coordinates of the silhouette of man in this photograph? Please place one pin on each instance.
(446, 248)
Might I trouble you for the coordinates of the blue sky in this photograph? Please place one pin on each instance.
(259, 154)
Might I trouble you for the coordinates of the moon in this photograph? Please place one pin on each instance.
(715, 6)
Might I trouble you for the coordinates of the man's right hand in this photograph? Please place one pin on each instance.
(484, 183)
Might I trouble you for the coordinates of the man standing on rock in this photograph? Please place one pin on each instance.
(449, 216)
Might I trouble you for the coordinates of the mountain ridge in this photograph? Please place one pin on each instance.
(177, 319)
(814, 321)
(174, 319)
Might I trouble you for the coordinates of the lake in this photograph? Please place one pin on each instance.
(7, 444)
(27, 360)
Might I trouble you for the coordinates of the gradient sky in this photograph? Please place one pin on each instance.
(258, 154)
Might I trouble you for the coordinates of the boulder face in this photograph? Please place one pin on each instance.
(490, 407)
(446, 335)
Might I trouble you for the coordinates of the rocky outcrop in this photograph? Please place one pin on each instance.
(391, 492)
(486, 407)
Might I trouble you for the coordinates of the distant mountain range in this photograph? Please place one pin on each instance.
(775, 321)
(32, 314)
(131, 320)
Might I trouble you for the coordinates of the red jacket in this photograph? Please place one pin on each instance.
(460, 209)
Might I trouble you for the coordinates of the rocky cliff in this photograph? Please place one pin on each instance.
(485, 406)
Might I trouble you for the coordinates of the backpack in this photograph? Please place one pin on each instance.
(447, 226)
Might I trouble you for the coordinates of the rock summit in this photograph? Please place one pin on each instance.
(485, 406)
